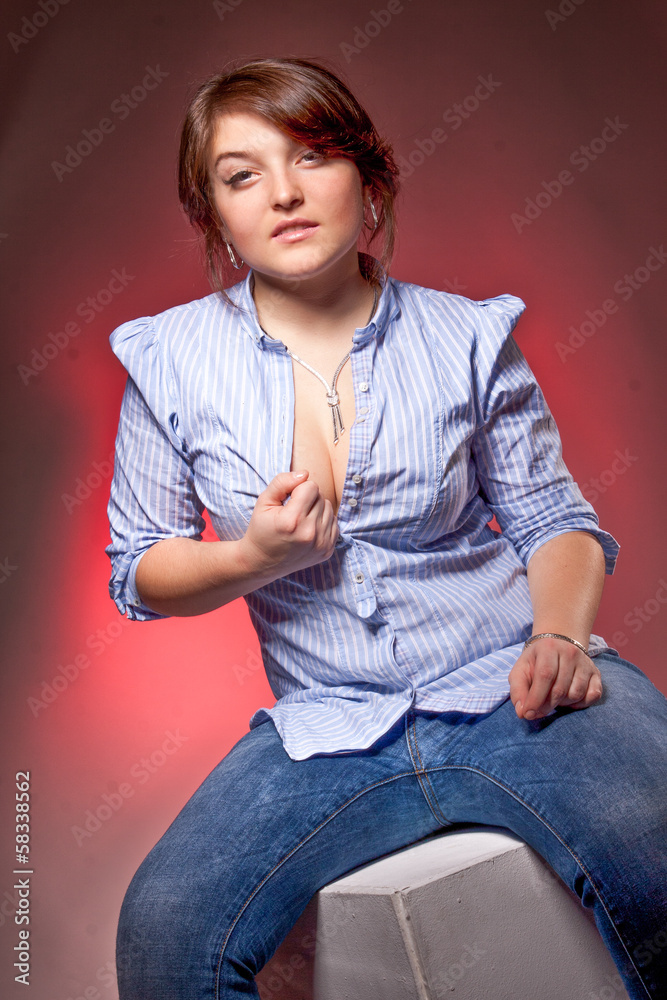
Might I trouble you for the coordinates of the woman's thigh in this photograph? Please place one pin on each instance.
(263, 833)
(585, 788)
(231, 875)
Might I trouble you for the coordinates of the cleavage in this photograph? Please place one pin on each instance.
(313, 445)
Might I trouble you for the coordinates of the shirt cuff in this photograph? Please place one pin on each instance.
(128, 601)
(610, 546)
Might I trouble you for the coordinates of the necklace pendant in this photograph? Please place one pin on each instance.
(333, 399)
(337, 421)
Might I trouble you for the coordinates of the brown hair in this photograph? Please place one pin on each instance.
(312, 106)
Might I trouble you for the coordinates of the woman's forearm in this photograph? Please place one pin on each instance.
(183, 577)
(566, 578)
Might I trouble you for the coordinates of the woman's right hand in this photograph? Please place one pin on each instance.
(286, 538)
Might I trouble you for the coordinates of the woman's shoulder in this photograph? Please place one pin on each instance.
(172, 320)
(456, 324)
(167, 330)
(457, 306)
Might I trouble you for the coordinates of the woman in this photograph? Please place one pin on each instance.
(351, 436)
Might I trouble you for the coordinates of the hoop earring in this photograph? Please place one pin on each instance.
(375, 218)
(232, 257)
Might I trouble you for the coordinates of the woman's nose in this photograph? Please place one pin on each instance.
(286, 191)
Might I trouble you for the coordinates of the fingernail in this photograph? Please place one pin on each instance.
(518, 706)
(529, 714)
(299, 475)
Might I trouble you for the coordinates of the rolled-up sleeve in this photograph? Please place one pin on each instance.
(517, 448)
(152, 494)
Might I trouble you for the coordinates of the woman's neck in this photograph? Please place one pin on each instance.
(313, 307)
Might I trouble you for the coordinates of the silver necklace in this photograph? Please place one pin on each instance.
(333, 399)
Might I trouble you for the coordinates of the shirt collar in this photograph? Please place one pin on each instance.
(387, 308)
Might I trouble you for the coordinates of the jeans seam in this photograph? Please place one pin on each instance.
(296, 847)
(422, 772)
(545, 822)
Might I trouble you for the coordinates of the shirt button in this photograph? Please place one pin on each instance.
(364, 409)
(356, 478)
(361, 420)
(358, 577)
(137, 602)
(352, 502)
(363, 387)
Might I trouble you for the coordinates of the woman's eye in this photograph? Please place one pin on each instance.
(242, 175)
(237, 177)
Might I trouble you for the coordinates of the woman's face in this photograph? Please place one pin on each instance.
(261, 178)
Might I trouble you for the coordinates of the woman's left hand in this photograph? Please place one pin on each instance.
(552, 672)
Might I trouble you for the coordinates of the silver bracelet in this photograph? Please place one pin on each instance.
(556, 635)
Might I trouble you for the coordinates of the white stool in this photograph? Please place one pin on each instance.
(469, 914)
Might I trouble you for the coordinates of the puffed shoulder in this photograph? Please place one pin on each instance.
(138, 348)
(146, 333)
(476, 336)
(133, 339)
(503, 310)
(494, 317)
(469, 331)
(505, 305)
(497, 318)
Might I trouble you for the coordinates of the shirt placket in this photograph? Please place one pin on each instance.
(354, 488)
(352, 499)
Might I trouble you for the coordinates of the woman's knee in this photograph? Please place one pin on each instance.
(169, 929)
(156, 898)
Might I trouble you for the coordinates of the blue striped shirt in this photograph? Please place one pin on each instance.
(422, 603)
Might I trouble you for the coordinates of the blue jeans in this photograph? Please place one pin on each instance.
(586, 789)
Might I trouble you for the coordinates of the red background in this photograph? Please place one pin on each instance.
(61, 239)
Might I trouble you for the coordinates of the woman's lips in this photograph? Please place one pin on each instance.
(294, 235)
